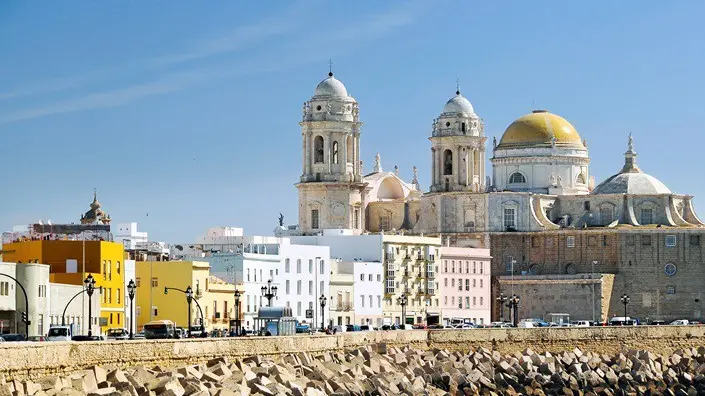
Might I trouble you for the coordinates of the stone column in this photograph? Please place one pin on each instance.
(344, 163)
(439, 165)
(458, 164)
(308, 148)
(433, 166)
(481, 175)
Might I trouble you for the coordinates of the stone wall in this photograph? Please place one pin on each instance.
(32, 360)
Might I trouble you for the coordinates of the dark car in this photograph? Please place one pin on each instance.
(12, 337)
(87, 338)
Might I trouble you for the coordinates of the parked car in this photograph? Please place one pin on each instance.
(302, 328)
(36, 338)
(61, 333)
(13, 337)
(118, 334)
(581, 323)
(464, 326)
(680, 322)
(365, 328)
(87, 338)
(138, 336)
(526, 324)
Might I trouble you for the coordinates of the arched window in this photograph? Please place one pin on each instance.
(335, 152)
(318, 149)
(581, 179)
(462, 127)
(448, 162)
(517, 177)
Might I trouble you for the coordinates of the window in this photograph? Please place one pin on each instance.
(474, 301)
(604, 240)
(474, 283)
(4, 288)
(321, 286)
(481, 300)
(379, 277)
(647, 216)
(369, 277)
(452, 301)
(467, 302)
(510, 218)
(695, 240)
(137, 282)
(670, 289)
(467, 284)
(452, 266)
(287, 289)
(362, 298)
(481, 284)
(581, 179)
(271, 274)
(517, 178)
(379, 301)
(248, 274)
(445, 282)
(155, 282)
(105, 270)
(460, 284)
(481, 268)
(370, 299)
(670, 269)
(298, 266)
(586, 205)
(670, 240)
(390, 286)
(111, 318)
(155, 311)
(362, 277)
(646, 240)
(606, 216)
(570, 241)
(322, 267)
(298, 308)
(460, 302)
(510, 264)
(462, 127)
(310, 266)
(118, 296)
(385, 223)
(452, 282)
(445, 266)
(110, 270)
(110, 295)
(310, 287)
(298, 287)
(314, 218)
(335, 152)
(318, 149)
(117, 268)
(445, 300)
(286, 266)
(448, 162)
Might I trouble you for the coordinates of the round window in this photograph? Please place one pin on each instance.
(447, 124)
(670, 269)
(318, 107)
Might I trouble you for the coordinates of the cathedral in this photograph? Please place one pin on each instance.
(538, 210)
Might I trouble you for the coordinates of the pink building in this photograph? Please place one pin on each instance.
(464, 284)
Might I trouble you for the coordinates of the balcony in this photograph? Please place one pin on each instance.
(344, 307)
(430, 274)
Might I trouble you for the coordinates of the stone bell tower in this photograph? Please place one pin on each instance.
(331, 187)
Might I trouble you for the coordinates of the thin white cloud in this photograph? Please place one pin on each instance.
(339, 41)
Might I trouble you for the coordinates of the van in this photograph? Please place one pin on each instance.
(159, 329)
(61, 333)
(526, 324)
(118, 334)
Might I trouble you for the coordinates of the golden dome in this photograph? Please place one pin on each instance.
(539, 129)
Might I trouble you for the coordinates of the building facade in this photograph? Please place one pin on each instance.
(368, 289)
(464, 283)
(342, 294)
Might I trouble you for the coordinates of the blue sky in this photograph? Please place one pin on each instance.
(189, 113)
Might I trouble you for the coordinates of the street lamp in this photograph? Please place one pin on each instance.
(625, 300)
(90, 288)
(269, 292)
(403, 300)
(322, 299)
(501, 299)
(131, 293)
(514, 306)
(189, 299)
(237, 311)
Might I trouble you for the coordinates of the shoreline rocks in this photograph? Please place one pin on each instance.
(383, 370)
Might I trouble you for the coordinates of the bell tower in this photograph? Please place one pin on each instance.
(331, 189)
(458, 148)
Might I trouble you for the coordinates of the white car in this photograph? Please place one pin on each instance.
(581, 323)
(526, 324)
(464, 327)
(680, 322)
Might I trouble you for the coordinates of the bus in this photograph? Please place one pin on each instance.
(159, 329)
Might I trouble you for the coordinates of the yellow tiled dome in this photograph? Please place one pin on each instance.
(538, 129)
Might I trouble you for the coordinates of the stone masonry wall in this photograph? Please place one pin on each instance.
(32, 360)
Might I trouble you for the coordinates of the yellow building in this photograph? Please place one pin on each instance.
(214, 295)
(71, 261)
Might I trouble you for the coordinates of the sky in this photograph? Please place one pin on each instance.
(184, 115)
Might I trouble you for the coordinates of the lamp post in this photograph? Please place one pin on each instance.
(269, 292)
(131, 293)
(514, 306)
(90, 288)
(625, 300)
(501, 299)
(189, 299)
(403, 300)
(322, 299)
(237, 311)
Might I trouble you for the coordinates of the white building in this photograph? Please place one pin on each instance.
(47, 301)
(301, 273)
(342, 298)
(127, 234)
(137, 243)
(369, 292)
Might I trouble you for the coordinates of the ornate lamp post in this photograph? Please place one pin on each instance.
(237, 311)
(189, 299)
(90, 288)
(514, 306)
(625, 300)
(403, 300)
(501, 299)
(131, 293)
(269, 292)
(322, 299)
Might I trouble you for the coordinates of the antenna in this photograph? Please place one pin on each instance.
(457, 86)
(330, 67)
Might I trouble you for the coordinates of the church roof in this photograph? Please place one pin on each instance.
(458, 104)
(631, 179)
(330, 87)
(540, 129)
